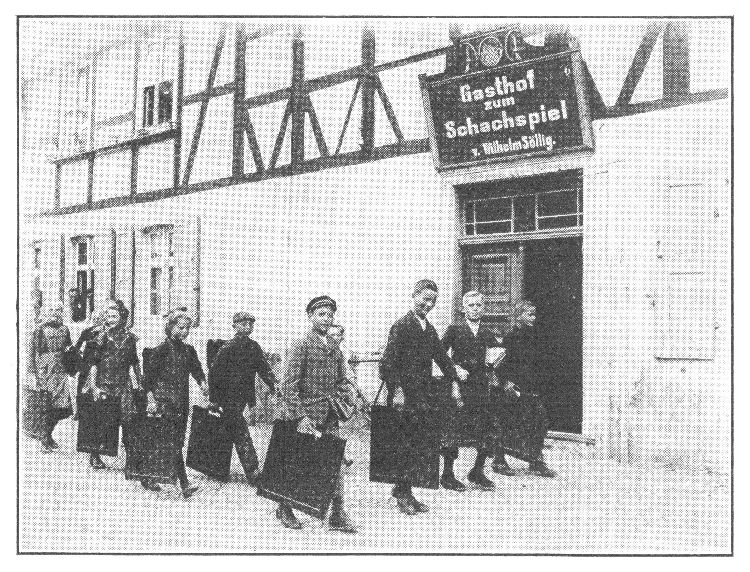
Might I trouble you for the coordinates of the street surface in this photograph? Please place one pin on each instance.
(593, 506)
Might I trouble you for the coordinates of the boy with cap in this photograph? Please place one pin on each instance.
(231, 381)
(413, 344)
(315, 375)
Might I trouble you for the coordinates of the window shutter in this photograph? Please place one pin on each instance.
(141, 266)
(124, 271)
(101, 257)
(686, 292)
(187, 268)
(49, 278)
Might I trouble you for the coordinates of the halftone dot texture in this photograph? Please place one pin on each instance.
(655, 304)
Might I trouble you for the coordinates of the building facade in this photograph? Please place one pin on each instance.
(255, 164)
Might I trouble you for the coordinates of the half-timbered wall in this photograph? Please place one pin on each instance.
(655, 236)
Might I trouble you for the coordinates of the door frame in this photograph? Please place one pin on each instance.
(465, 244)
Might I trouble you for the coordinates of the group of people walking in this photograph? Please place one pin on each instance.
(490, 390)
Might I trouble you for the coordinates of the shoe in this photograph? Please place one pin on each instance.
(52, 443)
(478, 478)
(97, 463)
(503, 468)
(540, 468)
(150, 485)
(450, 482)
(286, 516)
(418, 506)
(405, 505)
(348, 462)
(340, 521)
(46, 447)
(189, 491)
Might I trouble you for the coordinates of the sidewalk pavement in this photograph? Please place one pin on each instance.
(592, 507)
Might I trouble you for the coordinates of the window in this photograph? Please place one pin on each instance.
(162, 270)
(165, 101)
(148, 106)
(523, 211)
(160, 100)
(82, 295)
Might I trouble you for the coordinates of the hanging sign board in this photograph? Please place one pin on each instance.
(513, 112)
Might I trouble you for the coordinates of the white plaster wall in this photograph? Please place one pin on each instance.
(667, 411)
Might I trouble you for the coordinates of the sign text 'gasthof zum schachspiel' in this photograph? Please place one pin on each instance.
(517, 111)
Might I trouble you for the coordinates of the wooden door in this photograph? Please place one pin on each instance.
(497, 272)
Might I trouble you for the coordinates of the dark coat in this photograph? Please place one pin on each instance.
(470, 351)
(166, 373)
(408, 356)
(231, 378)
(114, 353)
(315, 376)
(522, 359)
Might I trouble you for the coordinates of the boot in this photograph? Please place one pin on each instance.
(500, 465)
(285, 514)
(339, 520)
(96, 462)
(150, 485)
(189, 491)
(540, 468)
(403, 497)
(46, 445)
(405, 505)
(450, 482)
(418, 506)
(478, 478)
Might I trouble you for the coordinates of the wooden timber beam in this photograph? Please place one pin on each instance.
(346, 118)
(389, 110)
(133, 169)
(596, 102)
(297, 102)
(410, 147)
(339, 77)
(148, 139)
(179, 104)
(115, 119)
(204, 107)
(660, 104)
(253, 142)
(317, 130)
(239, 111)
(280, 137)
(367, 82)
(215, 91)
(90, 186)
(58, 185)
(676, 60)
(638, 65)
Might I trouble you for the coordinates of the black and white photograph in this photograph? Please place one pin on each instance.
(375, 285)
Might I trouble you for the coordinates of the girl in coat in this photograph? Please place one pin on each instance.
(166, 382)
(113, 356)
(51, 338)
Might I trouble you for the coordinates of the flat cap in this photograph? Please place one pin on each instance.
(243, 317)
(320, 301)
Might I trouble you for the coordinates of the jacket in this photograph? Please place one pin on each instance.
(470, 351)
(409, 353)
(231, 378)
(315, 378)
(166, 371)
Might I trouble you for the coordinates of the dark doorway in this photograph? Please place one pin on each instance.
(553, 281)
